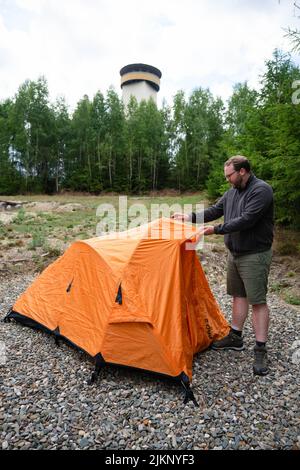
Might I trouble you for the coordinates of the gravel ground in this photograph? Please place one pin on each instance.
(46, 402)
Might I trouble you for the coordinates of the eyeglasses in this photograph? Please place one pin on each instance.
(230, 174)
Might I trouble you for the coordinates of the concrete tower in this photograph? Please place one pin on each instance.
(141, 81)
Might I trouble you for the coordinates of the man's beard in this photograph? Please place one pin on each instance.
(239, 183)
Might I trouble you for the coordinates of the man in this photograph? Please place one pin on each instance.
(248, 234)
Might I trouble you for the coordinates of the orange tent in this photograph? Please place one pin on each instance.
(137, 298)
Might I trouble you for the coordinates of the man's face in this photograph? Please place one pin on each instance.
(234, 177)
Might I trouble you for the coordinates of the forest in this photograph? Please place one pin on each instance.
(102, 147)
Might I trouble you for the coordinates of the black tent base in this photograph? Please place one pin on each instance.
(98, 360)
(181, 378)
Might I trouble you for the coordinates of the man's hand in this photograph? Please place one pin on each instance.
(209, 230)
(180, 216)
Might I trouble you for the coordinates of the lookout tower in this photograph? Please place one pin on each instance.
(140, 80)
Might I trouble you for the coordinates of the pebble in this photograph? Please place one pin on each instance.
(4, 445)
(47, 403)
(84, 442)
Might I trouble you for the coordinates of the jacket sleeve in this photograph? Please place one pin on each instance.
(257, 204)
(212, 213)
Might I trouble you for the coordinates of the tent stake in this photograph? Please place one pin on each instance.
(189, 395)
(99, 364)
(7, 319)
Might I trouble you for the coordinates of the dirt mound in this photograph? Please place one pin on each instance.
(70, 207)
(54, 207)
(43, 206)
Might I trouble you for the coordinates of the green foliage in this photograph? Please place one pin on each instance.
(20, 216)
(38, 240)
(292, 299)
(286, 248)
(2, 230)
(197, 134)
(54, 252)
(265, 127)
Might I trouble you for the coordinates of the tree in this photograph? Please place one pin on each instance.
(264, 127)
(61, 142)
(99, 124)
(294, 34)
(79, 170)
(10, 177)
(131, 144)
(198, 131)
(32, 134)
(180, 161)
(114, 140)
(282, 119)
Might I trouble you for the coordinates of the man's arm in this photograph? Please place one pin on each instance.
(211, 213)
(257, 204)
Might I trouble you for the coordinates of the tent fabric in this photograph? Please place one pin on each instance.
(139, 298)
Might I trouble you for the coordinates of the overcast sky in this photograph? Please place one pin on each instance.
(81, 45)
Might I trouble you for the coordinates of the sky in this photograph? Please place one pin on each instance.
(81, 45)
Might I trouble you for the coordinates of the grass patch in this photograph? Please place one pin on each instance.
(70, 226)
(82, 236)
(67, 227)
(292, 298)
(286, 248)
(276, 287)
(54, 252)
(3, 231)
(286, 242)
(291, 274)
(20, 216)
(16, 243)
(38, 240)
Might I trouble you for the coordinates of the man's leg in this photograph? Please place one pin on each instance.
(260, 322)
(240, 308)
(234, 339)
(254, 269)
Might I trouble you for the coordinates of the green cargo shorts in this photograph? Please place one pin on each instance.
(247, 276)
